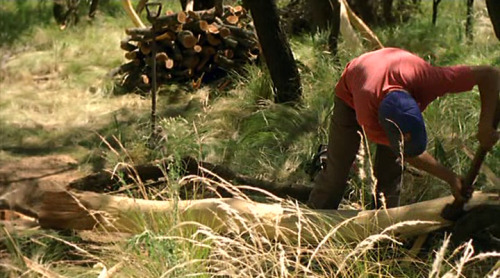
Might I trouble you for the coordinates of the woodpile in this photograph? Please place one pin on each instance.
(188, 46)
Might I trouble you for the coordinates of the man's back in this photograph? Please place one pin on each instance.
(367, 79)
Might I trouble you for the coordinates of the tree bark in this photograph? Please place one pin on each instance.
(366, 11)
(87, 211)
(494, 12)
(468, 24)
(93, 8)
(387, 9)
(326, 17)
(279, 57)
(199, 5)
(435, 4)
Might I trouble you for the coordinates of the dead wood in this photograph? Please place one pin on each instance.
(172, 19)
(187, 38)
(88, 210)
(182, 37)
(132, 13)
(126, 45)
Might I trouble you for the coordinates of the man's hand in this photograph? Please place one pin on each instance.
(428, 163)
(460, 191)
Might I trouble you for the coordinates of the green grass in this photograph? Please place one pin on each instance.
(55, 98)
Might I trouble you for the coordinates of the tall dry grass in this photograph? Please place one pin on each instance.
(168, 247)
(54, 97)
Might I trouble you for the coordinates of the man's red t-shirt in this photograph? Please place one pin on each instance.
(367, 79)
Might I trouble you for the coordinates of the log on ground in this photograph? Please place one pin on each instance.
(88, 210)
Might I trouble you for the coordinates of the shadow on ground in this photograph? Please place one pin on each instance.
(86, 143)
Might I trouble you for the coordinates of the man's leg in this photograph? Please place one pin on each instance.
(388, 171)
(343, 144)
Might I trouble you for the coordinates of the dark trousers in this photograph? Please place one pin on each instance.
(343, 144)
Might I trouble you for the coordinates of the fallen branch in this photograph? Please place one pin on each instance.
(361, 26)
(132, 14)
(87, 211)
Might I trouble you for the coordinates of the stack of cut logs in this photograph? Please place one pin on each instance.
(189, 45)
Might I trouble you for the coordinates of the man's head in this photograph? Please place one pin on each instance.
(401, 118)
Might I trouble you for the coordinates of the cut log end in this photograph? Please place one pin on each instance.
(62, 210)
(191, 39)
(169, 64)
(187, 39)
(126, 45)
(181, 17)
(131, 55)
(145, 49)
(232, 19)
(162, 56)
(197, 48)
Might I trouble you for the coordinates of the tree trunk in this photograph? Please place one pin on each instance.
(87, 211)
(494, 12)
(468, 24)
(387, 9)
(200, 5)
(366, 11)
(93, 8)
(435, 4)
(276, 50)
(326, 17)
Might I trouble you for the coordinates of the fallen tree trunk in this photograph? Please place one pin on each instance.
(87, 211)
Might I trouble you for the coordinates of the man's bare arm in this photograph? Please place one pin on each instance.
(488, 81)
(429, 164)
